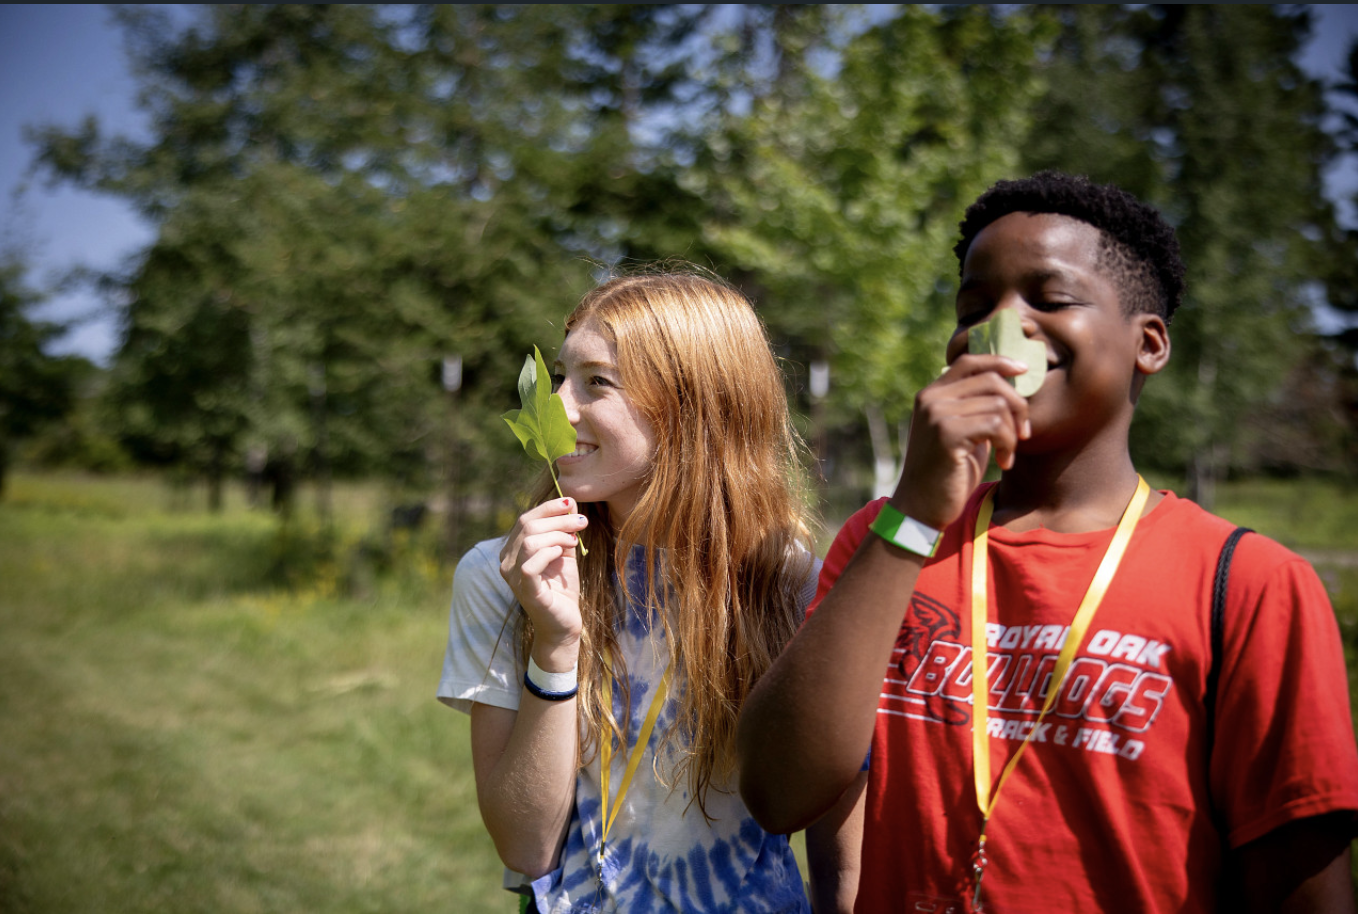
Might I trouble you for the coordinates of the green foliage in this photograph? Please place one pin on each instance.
(841, 191)
(346, 195)
(1203, 111)
(85, 438)
(35, 389)
(1307, 514)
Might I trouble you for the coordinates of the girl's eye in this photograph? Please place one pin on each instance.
(599, 381)
(557, 381)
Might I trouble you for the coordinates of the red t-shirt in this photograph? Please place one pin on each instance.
(1112, 805)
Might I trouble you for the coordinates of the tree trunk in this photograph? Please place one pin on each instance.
(885, 468)
(1202, 476)
(453, 519)
(322, 452)
(214, 480)
(1202, 466)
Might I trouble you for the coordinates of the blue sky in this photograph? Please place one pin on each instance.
(59, 63)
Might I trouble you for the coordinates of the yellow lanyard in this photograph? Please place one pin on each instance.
(632, 759)
(980, 687)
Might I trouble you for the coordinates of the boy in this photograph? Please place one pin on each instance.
(1135, 790)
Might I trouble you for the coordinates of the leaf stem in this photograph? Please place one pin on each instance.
(551, 468)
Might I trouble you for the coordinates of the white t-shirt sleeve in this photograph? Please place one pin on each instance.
(480, 663)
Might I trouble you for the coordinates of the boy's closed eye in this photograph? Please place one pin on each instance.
(972, 316)
(1050, 301)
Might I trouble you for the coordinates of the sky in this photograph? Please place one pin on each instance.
(59, 63)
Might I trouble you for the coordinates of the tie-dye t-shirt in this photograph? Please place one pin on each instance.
(661, 854)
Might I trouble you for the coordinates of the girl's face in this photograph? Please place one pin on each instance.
(614, 444)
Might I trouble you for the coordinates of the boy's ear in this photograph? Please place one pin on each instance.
(1152, 353)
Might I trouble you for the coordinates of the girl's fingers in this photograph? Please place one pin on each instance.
(528, 526)
(551, 508)
(540, 558)
(532, 525)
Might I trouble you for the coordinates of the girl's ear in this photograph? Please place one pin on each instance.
(1152, 353)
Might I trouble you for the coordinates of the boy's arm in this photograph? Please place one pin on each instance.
(806, 726)
(1300, 868)
(834, 846)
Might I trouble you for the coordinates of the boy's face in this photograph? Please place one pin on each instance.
(1046, 267)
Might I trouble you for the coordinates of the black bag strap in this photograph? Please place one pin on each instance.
(1219, 587)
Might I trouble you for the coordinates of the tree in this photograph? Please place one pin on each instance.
(1341, 274)
(1203, 111)
(843, 186)
(345, 195)
(35, 388)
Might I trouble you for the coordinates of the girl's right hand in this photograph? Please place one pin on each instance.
(538, 562)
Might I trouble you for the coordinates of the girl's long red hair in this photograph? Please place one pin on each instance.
(723, 516)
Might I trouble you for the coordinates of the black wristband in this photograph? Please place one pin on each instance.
(546, 695)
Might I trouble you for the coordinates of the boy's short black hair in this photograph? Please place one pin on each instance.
(1138, 247)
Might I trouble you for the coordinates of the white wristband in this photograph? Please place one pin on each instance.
(552, 682)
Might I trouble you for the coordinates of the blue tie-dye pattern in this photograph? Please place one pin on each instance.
(724, 866)
(702, 879)
(679, 883)
(730, 866)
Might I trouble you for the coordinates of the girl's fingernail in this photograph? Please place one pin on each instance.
(567, 503)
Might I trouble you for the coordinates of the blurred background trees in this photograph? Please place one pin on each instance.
(368, 214)
(36, 390)
(1203, 111)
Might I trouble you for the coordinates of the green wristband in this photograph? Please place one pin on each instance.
(906, 532)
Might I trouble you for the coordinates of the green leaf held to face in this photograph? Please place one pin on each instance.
(541, 425)
(1003, 335)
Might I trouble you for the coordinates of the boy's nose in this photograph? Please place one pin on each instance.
(1016, 304)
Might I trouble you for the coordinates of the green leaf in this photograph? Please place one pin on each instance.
(1003, 335)
(525, 433)
(542, 426)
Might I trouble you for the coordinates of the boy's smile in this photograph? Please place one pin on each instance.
(1048, 268)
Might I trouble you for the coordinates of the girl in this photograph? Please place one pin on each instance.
(602, 726)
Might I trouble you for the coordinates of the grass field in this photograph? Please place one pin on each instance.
(177, 735)
(185, 727)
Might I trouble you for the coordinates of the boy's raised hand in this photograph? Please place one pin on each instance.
(538, 562)
(959, 419)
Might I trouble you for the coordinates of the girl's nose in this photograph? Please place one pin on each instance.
(571, 401)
